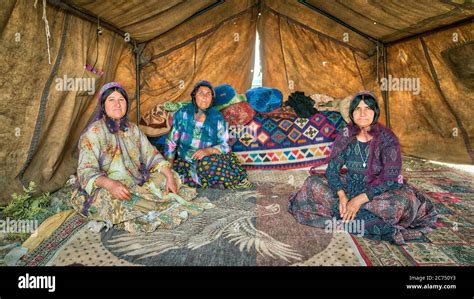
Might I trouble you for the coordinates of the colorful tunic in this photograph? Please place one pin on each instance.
(128, 157)
(188, 136)
(396, 212)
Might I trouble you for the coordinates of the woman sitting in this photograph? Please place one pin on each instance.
(197, 144)
(123, 180)
(372, 191)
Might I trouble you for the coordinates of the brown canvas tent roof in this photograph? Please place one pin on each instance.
(328, 47)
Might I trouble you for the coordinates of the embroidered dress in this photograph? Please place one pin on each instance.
(188, 136)
(128, 157)
(395, 212)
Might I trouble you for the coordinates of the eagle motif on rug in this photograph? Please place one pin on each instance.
(232, 218)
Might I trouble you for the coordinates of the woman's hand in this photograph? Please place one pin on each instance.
(171, 185)
(170, 182)
(353, 206)
(116, 188)
(342, 202)
(171, 161)
(343, 205)
(204, 152)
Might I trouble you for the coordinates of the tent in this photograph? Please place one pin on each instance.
(422, 51)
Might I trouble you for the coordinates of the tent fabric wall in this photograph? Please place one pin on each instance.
(297, 11)
(41, 121)
(218, 52)
(425, 123)
(301, 49)
(295, 58)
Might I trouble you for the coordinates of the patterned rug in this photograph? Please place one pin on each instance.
(452, 192)
(286, 143)
(253, 228)
(247, 228)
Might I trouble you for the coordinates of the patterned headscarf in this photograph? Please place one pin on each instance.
(111, 124)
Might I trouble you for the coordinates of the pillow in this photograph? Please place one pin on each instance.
(264, 99)
(238, 114)
(224, 93)
(156, 122)
(237, 99)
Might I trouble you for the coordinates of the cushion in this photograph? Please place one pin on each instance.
(237, 99)
(238, 114)
(224, 93)
(264, 99)
(156, 122)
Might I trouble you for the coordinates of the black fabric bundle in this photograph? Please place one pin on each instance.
(303, 105)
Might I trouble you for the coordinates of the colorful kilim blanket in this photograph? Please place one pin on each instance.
(272, 143)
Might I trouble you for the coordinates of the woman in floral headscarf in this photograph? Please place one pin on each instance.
(373, 190)
(122, 179)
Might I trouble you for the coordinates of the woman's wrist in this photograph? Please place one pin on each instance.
(361, 198)
(104, 182)
(342, 195)
(167, 171)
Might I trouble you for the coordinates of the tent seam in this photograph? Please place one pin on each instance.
(358, 69)
(202, 34)
(283, 52)
(320, 33)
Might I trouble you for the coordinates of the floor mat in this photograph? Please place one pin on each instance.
(247, 228)
(253, 228)
(451, 244)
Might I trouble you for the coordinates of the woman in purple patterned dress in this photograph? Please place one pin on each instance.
(372, 192)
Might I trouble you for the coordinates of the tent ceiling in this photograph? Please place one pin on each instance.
(386, 21)
(144, 20)
(396, 19)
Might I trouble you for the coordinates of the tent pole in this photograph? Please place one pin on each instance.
(137, 82)
(385, 92)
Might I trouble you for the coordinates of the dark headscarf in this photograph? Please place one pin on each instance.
(104, 92)
(385, 162)
(193, 96)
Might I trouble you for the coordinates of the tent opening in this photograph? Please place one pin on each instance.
(257, 67)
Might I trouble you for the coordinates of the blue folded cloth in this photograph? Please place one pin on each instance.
(264, 99)
(224, 93)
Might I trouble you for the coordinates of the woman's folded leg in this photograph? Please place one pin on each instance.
(313, 203)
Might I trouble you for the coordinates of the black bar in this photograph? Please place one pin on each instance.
(243, 282)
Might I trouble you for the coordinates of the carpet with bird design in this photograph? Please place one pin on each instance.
(253, 228)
